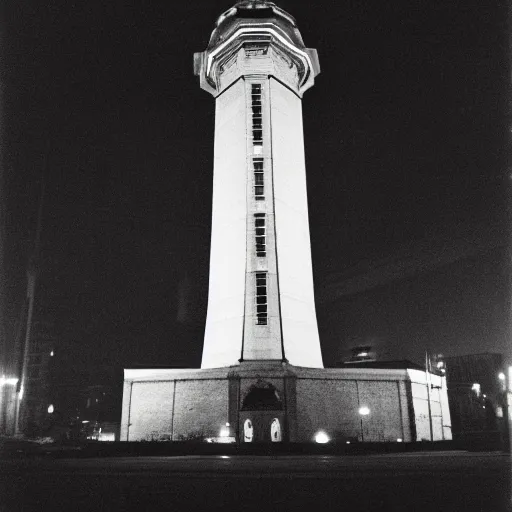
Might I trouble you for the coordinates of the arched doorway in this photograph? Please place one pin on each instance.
(262, 414)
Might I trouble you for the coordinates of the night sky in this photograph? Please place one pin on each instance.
(405, 133)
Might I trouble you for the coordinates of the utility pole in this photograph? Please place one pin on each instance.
(427, 377)
(31, 286)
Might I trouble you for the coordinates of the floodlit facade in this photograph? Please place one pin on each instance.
(260, 301)
(262, 377)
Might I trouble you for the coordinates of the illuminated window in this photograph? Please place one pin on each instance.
(257, 120)
(248, 431)
(260, 234)
(259, 185)
(261, 298)
(275, 431)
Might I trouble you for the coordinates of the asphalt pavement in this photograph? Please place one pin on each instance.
(433, 481)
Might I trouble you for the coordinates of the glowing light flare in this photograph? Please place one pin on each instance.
(501, 376)
(224, 431)
(8, 381)
(321, 437)
(364, 411)
(51, 409)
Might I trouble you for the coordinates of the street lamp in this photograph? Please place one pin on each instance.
(363, 411)
(322, 438)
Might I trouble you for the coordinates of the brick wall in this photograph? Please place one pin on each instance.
(329, 405)
(201, 407)
(333, 406)
(151, 408)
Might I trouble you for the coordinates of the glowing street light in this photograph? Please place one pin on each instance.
(501, 376)
(363, 411)
(51, 409)
(224, 431)
(321, 437)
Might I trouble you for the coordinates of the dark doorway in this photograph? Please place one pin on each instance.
(262, 415)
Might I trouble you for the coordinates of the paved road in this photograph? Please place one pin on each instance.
(440, 481)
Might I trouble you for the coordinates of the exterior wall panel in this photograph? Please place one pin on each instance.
(300, 330)
(385, 421)
(328, 405)
(226, 293)
(151, 411)
(201, 408)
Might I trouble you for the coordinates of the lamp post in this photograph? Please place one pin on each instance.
(363, 411)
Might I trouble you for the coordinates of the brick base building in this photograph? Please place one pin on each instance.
(273, 402)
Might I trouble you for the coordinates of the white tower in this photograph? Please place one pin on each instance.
(261, 302)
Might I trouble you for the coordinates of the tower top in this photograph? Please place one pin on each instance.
(254, 12)
(251, 24)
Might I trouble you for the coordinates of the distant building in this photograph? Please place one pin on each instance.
(361, 354)
(477, 391)
(98, 414)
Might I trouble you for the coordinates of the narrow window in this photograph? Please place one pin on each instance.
(248, 431)
(260, 234)
(259, 184)
(261, 298)
(275, 431)
(257, 120)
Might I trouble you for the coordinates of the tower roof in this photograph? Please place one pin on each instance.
(249, 12)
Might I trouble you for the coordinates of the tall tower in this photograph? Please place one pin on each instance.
(261, 378)
(261, 302)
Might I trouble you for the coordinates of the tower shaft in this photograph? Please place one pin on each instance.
(261, 300)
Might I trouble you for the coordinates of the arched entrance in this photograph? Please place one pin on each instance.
(262, 415)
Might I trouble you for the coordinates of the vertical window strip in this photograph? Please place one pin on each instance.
(261, 298)
(257, 119)
(259, 183)
(260, 234)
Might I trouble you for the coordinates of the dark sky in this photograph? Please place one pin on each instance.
(405, 134)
